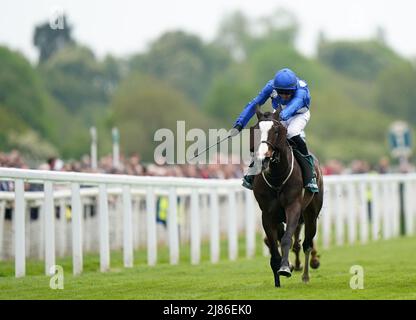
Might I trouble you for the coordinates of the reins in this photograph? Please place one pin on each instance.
(277, 188)
(273, 159)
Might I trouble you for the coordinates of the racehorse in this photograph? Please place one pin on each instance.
(279, 192)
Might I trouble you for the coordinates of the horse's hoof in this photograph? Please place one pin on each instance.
(292, 267)
(285, 272)
(305, 278)
(315, 263)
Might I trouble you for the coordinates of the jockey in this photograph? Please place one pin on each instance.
(292, 94)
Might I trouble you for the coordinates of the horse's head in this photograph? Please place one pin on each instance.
(272, 136)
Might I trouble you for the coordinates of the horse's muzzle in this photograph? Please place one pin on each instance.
(265, 163)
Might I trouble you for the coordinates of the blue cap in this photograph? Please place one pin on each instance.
(286, 80)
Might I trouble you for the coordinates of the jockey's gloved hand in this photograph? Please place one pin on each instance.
(235, 130)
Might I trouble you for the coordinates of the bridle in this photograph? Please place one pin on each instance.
(275, 149)
(275, 159)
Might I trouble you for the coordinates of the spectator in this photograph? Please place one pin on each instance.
(133, 165)
(383, 165)
(333, 167)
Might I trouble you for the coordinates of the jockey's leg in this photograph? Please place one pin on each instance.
(251, 173)
(295, 128)
(254, 168)
(310, 182)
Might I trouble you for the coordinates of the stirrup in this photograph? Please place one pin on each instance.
(312, 186)
(248, 182)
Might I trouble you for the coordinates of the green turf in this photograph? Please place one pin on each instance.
(389, 273)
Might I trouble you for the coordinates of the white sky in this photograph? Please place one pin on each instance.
(122, 27)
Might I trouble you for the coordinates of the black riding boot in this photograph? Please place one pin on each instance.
(310, 177)
(249, 177)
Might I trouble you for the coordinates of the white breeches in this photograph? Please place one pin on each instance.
(296, 125)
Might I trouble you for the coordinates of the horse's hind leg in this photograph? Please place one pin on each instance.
(280, 233)
(310, 218)
(296, 248)
(316, 207)
(314, 258)
(270, 229)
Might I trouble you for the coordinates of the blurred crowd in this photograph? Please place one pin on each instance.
(361, 166)
(133, 165)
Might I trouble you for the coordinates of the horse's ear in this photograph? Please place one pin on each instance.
(276, 114)
(258, 112)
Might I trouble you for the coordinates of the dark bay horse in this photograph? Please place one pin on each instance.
(279, 191)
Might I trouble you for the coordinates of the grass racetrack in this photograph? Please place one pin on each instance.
(389, 273)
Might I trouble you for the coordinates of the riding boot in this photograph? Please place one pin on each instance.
(310, 176)
(249, 177)
(312, 185)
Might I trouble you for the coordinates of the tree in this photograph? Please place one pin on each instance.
(30, 118)
(280, 27)
(234, 35)
(50, 40)
(184, 61)
(361, 60)
(395, 92)
(241, 37)
(139, 109)
(21, 91)
(76, 79)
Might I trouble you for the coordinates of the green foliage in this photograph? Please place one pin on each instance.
(396, 94)
(358, 88)
(77, 80)
(229, 93)
(343, 125)
(358, 59)
(142, 105)
(32, 146)
(343, 130)
(184, 61)
(9, 124)
(21, 91)
(234, 34)
(242, 37)
(30, 118)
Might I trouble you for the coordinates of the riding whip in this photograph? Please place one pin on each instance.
(215, 144)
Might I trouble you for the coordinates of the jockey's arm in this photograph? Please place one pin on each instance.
(298, 102)
(250, 108)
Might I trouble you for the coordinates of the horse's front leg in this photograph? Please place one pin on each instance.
(270, 229)
(292, 219)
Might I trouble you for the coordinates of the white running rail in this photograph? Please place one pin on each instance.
(357, 208)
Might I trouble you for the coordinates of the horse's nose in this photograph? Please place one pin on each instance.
(264, 152)
(265, 163)
(269, 153)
